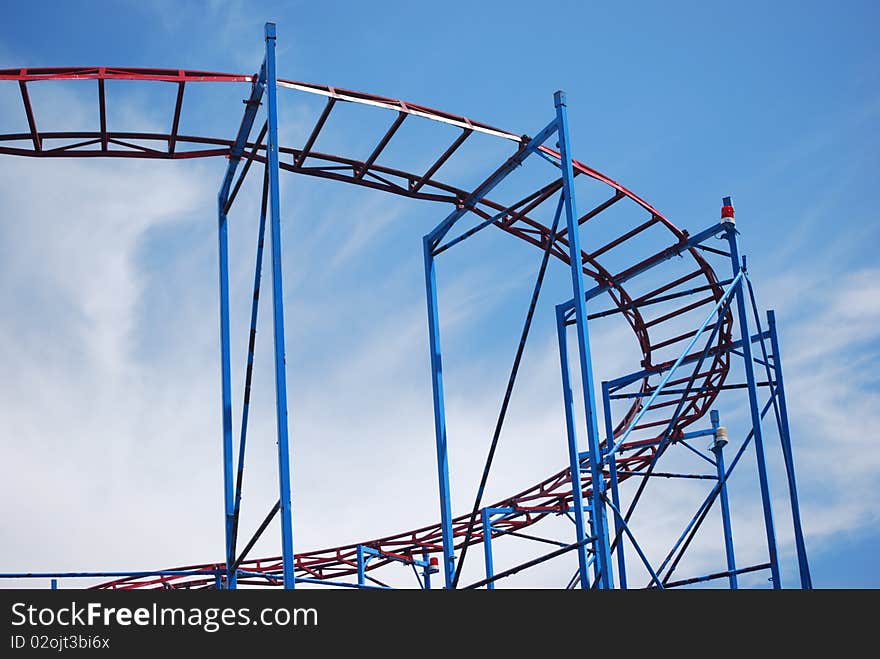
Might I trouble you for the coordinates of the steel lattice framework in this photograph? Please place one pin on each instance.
(685, 365)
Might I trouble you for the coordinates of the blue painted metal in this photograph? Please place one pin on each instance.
(693, 434)
(742, 316)
(364, 553)
(361, 566)
(718, 450)
(487, 547)
(429, 245)
(696, 451)
(757, 361)
(619, 549)
(427, 570)
(597, 506)
(228, 485)
(718, 308)
(508, 392)
(785, 438)
(718, 575)
(510, 512)
(278, 314)
(710, 498)
(774, 378)
(667, 474)
(54, 584)
(573, 456)
(247, 122)
(255, 305)
(625, 380)
(665, 255)
(474, 230)
(617, 515)
(592, 460)
(667, 434)
(470, 232)
(371, 552)
(487, 186)
(439, 413)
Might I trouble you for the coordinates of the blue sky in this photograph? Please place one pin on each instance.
(683, 102)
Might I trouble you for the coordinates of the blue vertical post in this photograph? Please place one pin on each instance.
(597, 504)
(235, 153)
(361, 566)
(577, 496)
(427, 570)
(252, 338)
(54, 584)
(487, 547)
(727, 217)
(226, 385)
(615, 491)
(718, 449)
(278, 313)
(439, 414)
(785, 438)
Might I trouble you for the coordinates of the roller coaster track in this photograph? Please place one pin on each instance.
(698, 288)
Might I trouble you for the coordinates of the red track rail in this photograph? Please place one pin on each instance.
(551, 496)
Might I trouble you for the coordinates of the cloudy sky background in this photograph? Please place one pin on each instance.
(110, 404)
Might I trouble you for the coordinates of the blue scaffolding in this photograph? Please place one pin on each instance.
(594, 500)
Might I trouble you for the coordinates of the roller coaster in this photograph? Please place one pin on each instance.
(689, 301)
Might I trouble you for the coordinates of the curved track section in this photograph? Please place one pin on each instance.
(660, 339)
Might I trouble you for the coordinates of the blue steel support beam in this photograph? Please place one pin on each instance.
(365, 553)
(625, 380)
(781, 412)
(737, 267)
(705, 457)
(487, 548)
(252, 337)
(597, 507)
(427, 571)
(244, 130)
(573, 456)
(511, 381)
(278, 315)
(703, 509)
(487, 186)
(709, 432)
(655, 578)
(429, 244)
(439, 412)
(717, 575)
(615, 490)
(362, 566)
(718, 449)
(785, 438)
(370, 552)
(659, 258)
(719, 309)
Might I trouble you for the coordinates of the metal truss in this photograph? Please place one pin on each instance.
(685, 365)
